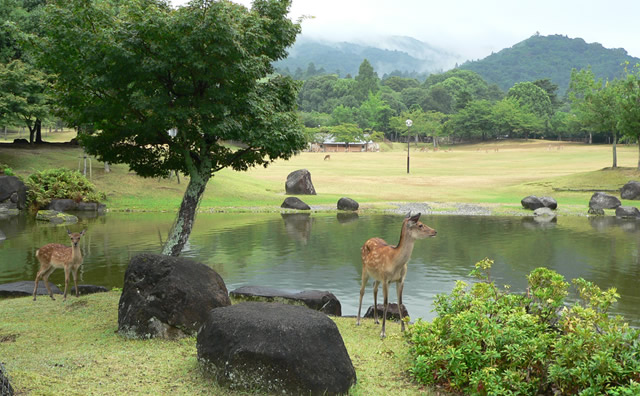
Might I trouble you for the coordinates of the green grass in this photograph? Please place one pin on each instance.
(497, 175)
(72, 348)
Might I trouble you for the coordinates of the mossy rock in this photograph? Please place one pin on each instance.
(54, 216)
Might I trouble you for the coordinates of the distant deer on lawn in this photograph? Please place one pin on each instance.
(55, 255)
(386, 263)
(327, 157)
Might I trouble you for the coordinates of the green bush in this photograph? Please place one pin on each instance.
(5, 170)
(60, 184)
(488, 341)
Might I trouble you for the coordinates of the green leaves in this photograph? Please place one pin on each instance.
(486, 340)
(60, 183)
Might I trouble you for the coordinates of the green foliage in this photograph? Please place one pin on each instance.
(486, 340)
(552, 57)
(60, 184)
(6, 170)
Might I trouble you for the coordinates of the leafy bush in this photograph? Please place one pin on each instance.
(5, 170)
(60, 184)
(486, 340)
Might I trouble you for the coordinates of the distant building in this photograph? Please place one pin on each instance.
(330, 145)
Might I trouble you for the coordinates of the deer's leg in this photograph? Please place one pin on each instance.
(365, 278)
(41, 271)
(375, 302)
(75, 279)
(45, 278)
(399, 287)
(66, 281)
(385, 292)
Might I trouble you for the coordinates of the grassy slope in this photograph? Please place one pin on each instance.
(496, 174)
(72, 348)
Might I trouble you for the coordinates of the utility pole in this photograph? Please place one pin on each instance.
(409, 123)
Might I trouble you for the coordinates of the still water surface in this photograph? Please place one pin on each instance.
(322, 251)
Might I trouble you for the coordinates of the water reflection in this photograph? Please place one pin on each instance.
(297, 251)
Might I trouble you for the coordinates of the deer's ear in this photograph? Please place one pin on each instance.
(415, 218)
(408, 215)
(82, 232)
(68, 232)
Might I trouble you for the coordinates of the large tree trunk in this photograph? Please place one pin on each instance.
(615, 155)
(38, 127)
(179, 234)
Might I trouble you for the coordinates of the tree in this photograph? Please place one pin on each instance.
(346, 133)
(628, 101)
(135, 69)
(366, 81)
(475, 120)
(24, 96)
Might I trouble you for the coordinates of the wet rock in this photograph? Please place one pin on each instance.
(531, 202)
(600, 200)
(54, 216)
(13, 192)
(549, 202)
(392, 311)
(627, 212)
(318, 300)
(347, 204)
(544, 212)
(25, 288)
(631, 190)
(275, 348)
(294, 203)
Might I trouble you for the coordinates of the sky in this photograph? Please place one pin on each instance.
(472, 29)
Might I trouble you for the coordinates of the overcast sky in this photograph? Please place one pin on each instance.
(471, 28)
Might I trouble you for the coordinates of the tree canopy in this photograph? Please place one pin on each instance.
(135, 69)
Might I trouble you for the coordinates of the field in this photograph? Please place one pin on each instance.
(496, 175)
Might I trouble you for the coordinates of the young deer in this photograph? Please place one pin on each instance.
(55, 255)
(386, 263)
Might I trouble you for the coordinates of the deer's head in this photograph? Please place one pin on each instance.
(417, 229)
(75, 236)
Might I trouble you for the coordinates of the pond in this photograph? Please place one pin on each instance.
(322, 251)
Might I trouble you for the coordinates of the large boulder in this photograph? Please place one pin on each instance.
(322, 301)
(347, 204)
(294, 203)
(168, 297)
(627, 212)
(13, 192)
(299, 182)
(275, 348)
(600, 200)
(531, 202)
(631, 190)
(549, 202)
(544, 212)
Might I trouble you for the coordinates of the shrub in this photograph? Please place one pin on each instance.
(486, 340)
(5, 170)
(60, 184)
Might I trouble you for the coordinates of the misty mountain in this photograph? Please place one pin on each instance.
(395, 53)
(550, 57)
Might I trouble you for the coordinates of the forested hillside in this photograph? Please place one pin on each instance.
(551, 57)
(403, 55)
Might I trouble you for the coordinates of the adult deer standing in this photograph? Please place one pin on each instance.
(386, 263)
(55, 255)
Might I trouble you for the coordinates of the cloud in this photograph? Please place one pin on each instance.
(471, 28)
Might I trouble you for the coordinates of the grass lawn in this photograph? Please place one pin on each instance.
(497, 175)
(52, 347)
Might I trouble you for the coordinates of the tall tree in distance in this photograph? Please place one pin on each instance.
(135, 69)
(366, 81)
(628, 100)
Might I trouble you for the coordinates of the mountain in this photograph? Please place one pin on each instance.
(552, 57)
(395, 53)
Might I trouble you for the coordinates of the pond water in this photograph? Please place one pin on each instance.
(322, 251)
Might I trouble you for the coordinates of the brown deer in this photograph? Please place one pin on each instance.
(55, 255)
(327, 157)
(386, 263)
